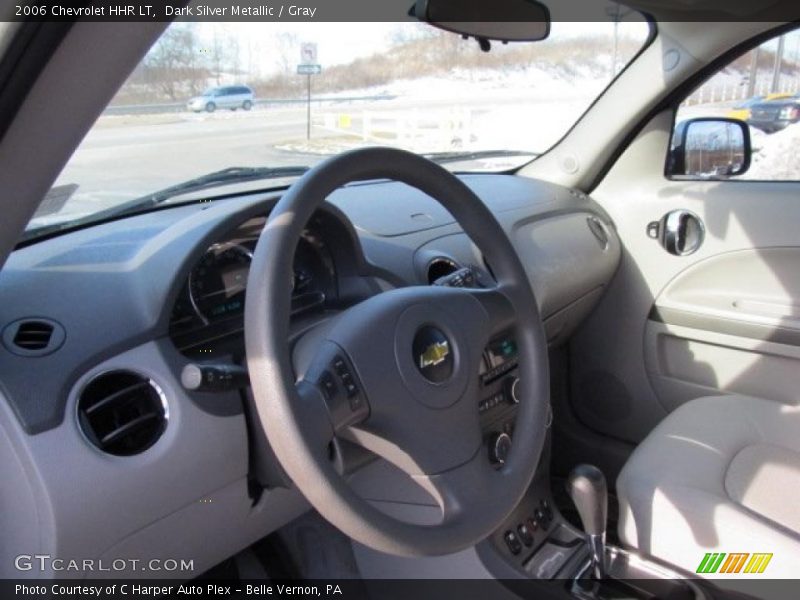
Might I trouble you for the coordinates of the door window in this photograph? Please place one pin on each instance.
(761, 88)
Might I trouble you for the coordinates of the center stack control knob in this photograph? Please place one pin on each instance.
(499, 447)
(511, 387)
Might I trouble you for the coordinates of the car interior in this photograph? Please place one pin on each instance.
(579, 373)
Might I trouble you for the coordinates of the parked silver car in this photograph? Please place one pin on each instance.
(230, 96)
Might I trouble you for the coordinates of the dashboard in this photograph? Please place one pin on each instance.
(210, 304)
(113, 314)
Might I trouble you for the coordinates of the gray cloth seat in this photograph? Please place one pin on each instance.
(719, 474)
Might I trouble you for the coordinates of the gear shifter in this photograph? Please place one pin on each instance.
(586, 485)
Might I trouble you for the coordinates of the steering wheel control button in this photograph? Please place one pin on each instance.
(345, 377)
(356, 402)
(433, 354)
(512, 541)
(349, 385)
(340, 366)
(334, 376)
(499, 447)
(328, 385)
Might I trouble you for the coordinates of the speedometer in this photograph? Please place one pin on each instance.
(217, 284)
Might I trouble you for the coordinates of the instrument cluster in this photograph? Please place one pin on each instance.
(211, 302)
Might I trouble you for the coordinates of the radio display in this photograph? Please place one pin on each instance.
(501, 351)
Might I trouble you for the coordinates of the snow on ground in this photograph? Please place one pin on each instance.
(526, 108)
(776, 156)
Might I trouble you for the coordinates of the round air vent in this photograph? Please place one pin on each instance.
(122, 412)
(439, 267)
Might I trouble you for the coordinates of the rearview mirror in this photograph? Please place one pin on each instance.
(710, 148)
(502, 20)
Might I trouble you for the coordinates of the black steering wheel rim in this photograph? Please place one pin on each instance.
(296, 418)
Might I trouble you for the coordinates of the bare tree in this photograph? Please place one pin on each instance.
(174, 63)
(234, 55)
(287, 50)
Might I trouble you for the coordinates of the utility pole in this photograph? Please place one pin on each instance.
(616, 13)
(616, 43)
(776, 70)
(751, 83)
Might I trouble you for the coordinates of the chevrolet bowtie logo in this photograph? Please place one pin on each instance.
(434, 355)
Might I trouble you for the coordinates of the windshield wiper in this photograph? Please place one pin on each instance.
(211, 180)
(443, 157)
(144, 203)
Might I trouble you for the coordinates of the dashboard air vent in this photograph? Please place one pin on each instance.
(33, 337)
(122, 412)
(439, 267)
(599, 231)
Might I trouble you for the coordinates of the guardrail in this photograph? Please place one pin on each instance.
(172, 107)
(711, 92)
(431, 131)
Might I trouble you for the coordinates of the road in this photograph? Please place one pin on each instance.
(124, 157)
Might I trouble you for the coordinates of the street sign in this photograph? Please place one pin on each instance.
(308, 53)
(309, 69)
(308, 66)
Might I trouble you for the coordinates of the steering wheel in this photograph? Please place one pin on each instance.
(399, 372)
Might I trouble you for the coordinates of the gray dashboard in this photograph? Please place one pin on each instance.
(112, 289)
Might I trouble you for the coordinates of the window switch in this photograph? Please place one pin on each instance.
(525, 534)
(512, 541)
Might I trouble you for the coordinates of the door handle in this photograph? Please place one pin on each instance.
(681, 232)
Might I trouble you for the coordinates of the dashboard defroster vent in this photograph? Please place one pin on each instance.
(122, 412)
(599, 231)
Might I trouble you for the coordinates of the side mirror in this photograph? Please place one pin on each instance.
(709, 148)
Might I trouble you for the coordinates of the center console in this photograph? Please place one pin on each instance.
(541, 546)
(499, 381)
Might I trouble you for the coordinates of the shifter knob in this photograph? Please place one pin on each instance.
(587, 487)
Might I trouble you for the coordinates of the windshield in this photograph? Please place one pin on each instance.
(296, 93)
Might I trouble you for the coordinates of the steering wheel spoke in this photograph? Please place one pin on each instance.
(460, 489)
(311, 417)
